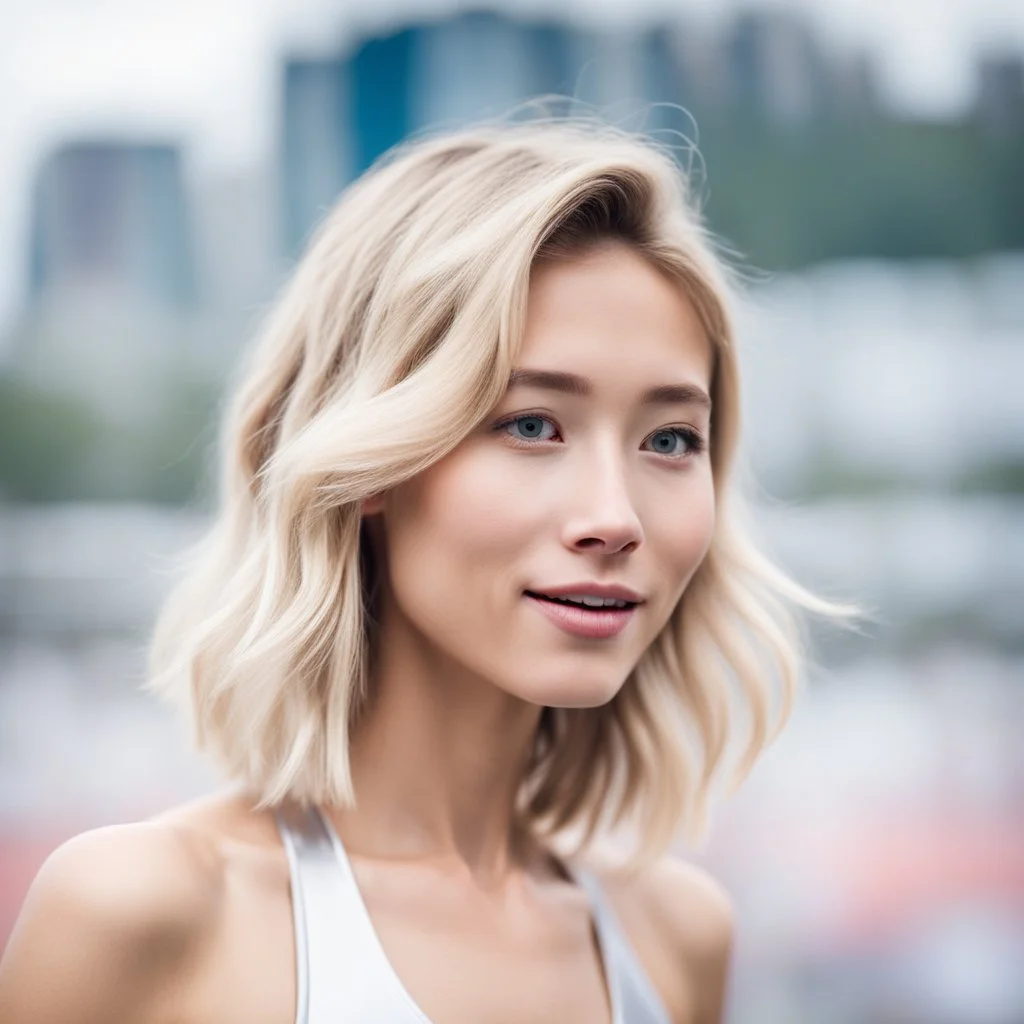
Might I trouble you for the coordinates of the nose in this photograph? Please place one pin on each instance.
(604, 519)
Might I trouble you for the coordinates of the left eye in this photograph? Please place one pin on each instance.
(670, 442)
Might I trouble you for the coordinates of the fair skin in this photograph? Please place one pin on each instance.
(187, 917)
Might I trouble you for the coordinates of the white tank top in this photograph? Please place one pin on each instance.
(343, 973)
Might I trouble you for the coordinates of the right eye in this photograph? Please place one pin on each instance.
(523, 429)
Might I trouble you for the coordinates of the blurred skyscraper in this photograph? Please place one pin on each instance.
(342, 112)
(663, 75)
(776, 66)
(480, 64)
(113, 215)
(1000, 101)
(113, 279)
(314, 146)
(381, 79)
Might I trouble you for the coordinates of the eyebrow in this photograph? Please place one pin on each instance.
(572, 384)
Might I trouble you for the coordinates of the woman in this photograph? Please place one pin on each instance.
(476, 597)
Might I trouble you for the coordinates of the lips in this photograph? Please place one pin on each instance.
(587, 601)
(579, 620)
(587, 588)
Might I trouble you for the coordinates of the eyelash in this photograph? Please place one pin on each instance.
(692, 438)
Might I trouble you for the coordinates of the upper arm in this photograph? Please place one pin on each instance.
(680, 921)
(697, 915)
(708, 947)
(107, 929)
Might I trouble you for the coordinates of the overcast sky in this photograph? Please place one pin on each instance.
(205, 68)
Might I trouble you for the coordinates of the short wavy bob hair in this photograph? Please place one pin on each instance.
(393, 340)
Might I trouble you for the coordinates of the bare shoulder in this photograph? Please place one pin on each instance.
(681, 921)
(689, 905)
(109, 924)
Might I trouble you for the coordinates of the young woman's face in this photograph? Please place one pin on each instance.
(591, 478)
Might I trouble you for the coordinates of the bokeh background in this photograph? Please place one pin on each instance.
(162, 165)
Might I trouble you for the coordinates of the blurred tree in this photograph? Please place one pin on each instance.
(44, 437)
(873, 187)
(59, 448)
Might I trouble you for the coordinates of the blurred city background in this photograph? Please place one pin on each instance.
(163, 165)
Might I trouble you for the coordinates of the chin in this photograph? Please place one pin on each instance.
(573, 693)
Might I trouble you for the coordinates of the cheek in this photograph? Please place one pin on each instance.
(453, 532)
(683, 538)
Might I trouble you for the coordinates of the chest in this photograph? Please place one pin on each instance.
(403, 941)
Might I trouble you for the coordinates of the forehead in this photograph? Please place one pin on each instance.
(609, 311)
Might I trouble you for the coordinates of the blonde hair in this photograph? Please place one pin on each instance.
(394, 338)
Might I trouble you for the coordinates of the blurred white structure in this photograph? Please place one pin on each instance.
(905, 374)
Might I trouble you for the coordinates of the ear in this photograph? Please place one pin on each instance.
(373, 505)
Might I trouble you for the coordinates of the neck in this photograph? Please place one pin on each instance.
(437, 762)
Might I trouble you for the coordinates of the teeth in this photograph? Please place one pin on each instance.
(592, 602)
